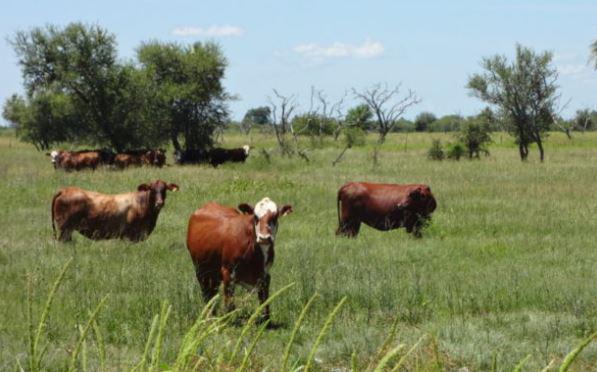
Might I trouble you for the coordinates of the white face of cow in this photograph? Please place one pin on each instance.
(246, 148)
(54, 156)
(266, 228)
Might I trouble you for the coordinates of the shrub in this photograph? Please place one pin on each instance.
(455, 151)
(436, 152)
(475, 137)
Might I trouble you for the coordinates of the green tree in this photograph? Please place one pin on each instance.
(447, 123)
(585, 120)
(525, 91)
(423, 121)
(313, 124)
(256, 116)
(359, 116)
(190, 99)
(79, 61)
(475, 136)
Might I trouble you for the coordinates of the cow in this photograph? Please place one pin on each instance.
(77, 160)
(98, 216)
(234, 246)
(155, 158)
(191, 157)
(383, 207)
(219, 156)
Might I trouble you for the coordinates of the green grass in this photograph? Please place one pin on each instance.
(508, 267)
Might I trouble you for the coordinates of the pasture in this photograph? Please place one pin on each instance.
(507, 268)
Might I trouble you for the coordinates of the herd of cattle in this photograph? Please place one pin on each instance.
(227, 245)
(92, 159)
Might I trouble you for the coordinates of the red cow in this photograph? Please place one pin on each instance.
(383, 207)
(234, 246)
(99, 216)
(77, 160)
(155, 158)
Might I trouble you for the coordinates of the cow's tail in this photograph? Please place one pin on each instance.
(338, 209)
(52, 211)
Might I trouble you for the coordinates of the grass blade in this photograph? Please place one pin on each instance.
(152, 330)
(101, 348)
(403, 359)
(574, 353)
(157, 349)
(520, 364)
(75, 354)
(389, 356)
(245, 361)
(322, 333)
(297, 325)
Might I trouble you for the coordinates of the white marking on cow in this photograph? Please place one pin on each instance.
(265, 205)
(246, 148)
(53, 155)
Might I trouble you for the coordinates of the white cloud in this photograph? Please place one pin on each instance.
(212, 31)
(368, 49)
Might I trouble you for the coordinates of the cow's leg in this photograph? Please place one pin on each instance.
(349, 228)
(228, 288)
(209, 281)
(263, 293)
(65, 232)
(415, 224)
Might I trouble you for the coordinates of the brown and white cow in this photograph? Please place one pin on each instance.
(234, 246)
(77, 160)
(219, 156)
(98, 216)
(156, 158)
(383, 207)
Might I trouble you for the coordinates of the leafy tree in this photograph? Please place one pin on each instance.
(423, 121)
(436, 152)
(190, 99)
(313, 124)
(585, 120)
(404, 125)
(79, 62)
(525, 91)
(475, 136)
(256, 116)
(359, 116)
(447, 123)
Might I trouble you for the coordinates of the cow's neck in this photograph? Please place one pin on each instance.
(148, 212)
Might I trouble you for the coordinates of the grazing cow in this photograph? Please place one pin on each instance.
(77, 160)
(219, 156)
(234, 246)
(155, 158)
(191, 157)
(99, 216)
(383, 207)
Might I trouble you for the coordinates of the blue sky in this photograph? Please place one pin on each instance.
(432, 47)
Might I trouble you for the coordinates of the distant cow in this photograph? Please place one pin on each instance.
(234, 246)
(383, 207)
(156, 158)
(82, 159)
(99, 216)
(219, 156)
(191, 157)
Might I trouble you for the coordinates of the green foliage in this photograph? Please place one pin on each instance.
(455, 151)
(256, 116)
(360, 116)
(447, 123)
(190, 100)
(525, 92)
(436, 152)
(403, 125)
(424, 120)
(353, 136)
(313, 124)
(584, 120)
(475, 137)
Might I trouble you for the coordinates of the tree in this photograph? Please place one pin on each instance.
(525, 92)
(585, 119)
(79, 62)
(447, 123)
(359, 116)
(423, 121)
(190, 100)
(475, 136)
(256, 116)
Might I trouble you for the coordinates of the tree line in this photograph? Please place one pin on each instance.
(78, 91)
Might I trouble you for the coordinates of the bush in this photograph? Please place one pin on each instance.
(436, 152)
(455, 151)
(475, 137)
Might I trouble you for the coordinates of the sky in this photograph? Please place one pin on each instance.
(430, 47)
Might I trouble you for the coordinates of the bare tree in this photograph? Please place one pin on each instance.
(388, 105)
(281, 121)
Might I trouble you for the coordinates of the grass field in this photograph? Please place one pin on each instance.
(507, 268)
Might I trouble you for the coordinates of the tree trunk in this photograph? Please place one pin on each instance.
(541, 151)
(523, 150)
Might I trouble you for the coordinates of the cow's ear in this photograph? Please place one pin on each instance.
(245, 208)
(415, 194)
(286, 209)
(143, 187)
(173, 187)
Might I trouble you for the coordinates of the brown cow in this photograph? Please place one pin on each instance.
(140, 157)
(99, 216)
(383, 207)
(234, 246)
(77, 160)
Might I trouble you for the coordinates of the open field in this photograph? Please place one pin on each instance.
(508, 267)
